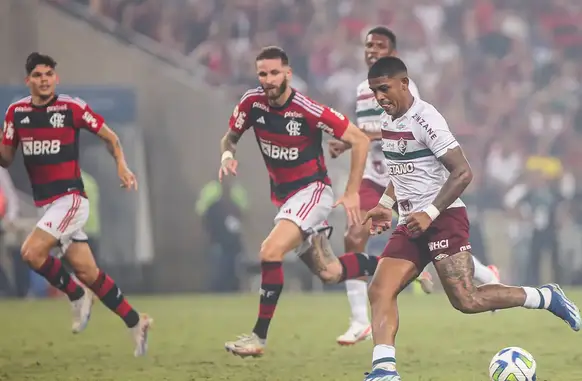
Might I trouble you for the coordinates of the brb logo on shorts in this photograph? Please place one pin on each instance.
(279, 153)
(41, 147)
(438, 245)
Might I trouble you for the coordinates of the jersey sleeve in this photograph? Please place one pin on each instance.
(87, 118)
(239, 120)
(331, 122)
(434, 133)
(9, 135)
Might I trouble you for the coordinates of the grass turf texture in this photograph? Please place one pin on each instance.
(435, 341)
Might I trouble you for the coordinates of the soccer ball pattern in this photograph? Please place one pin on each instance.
(512, 364)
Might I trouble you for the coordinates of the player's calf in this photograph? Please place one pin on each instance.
(112, 297)
(81, 259)
(36, 253)
(320, 259)
(456, 276)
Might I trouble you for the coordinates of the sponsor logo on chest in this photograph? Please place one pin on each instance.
(277, 152)
(32, 147)
(400, 168)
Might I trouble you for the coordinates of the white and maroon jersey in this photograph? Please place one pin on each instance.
(290, 138)
(369, 118)
(412, 145)
(49, 136)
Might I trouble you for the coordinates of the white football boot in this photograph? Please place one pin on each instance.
(81, 310)
(356, 332)
(246, 345)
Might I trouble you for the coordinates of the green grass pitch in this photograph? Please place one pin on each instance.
(435, 342)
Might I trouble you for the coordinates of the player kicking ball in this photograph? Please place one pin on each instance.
(380, 42)
(47, 126)
(429, 172)
(288, 127)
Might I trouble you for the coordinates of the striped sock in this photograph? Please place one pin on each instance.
(384, 357)
(53, 271)
(537, 298)
(106, 289)
(271, 288)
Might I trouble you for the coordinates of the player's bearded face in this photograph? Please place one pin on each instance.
(42, 81)
(274, 92)
(274, 77)
(391, 94)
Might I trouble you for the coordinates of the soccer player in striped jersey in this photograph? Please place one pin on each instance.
(380, 42)
(288, 127)
(47, 126)
(429, 173)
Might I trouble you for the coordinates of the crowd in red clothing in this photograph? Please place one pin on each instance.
(505, 73)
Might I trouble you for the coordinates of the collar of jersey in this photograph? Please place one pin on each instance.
(50, 103)
(408, 114)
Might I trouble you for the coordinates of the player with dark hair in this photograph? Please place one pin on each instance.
(380, 42)
(288, 127)
(428, 173)
(47, 125)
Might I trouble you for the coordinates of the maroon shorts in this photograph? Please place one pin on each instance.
(370, 194)
(447, 235)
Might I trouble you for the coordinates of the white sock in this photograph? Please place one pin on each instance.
(483, 274)
(384, 356)
(358, 298)
(537, 298)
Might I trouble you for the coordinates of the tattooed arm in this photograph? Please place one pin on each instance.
(113, 144)
(460, 177)
(128, 179)
(229, 142)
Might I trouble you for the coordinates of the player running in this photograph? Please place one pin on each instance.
(380, 42)
(47, 126)
(428, 174)
(288, 127)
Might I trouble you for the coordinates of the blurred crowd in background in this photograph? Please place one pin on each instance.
(505, 74)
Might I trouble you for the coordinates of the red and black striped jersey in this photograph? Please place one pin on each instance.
(290, 138)
(49, 136)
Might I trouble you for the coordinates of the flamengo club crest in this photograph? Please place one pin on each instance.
(402, 145)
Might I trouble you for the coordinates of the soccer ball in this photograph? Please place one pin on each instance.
(512, 364)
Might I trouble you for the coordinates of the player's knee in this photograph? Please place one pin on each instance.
(466, 302)
(378, 292)
(87, 273)
(33, 255)
(271, 252)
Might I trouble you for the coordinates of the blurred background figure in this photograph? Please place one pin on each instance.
(172, 69)
(223, 208)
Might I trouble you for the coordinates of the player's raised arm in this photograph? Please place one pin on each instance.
(460, 177)
(9, 140)
(359, 143)
(128, 179)
(338, 126)
(237, 125)
(435, 134)
(94, 123)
